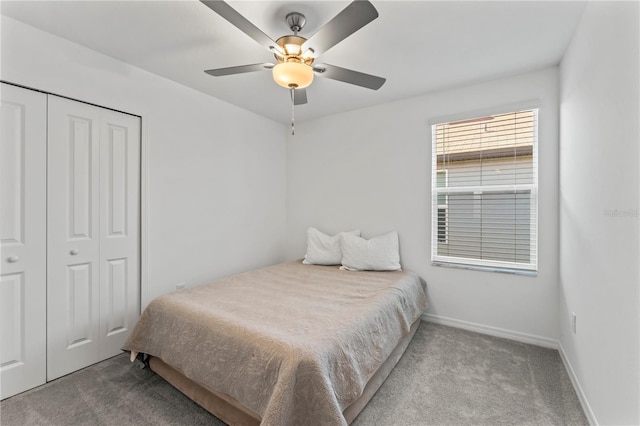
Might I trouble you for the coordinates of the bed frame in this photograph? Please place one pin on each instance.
(233, 412)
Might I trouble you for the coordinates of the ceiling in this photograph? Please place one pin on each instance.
(419, 46)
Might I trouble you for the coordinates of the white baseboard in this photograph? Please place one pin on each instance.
(493, 331)
(588, 412)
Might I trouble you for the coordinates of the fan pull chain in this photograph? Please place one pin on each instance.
(293, 118)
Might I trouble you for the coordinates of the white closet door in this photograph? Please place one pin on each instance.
(93, 233)
(119, 228)
(73, 286)
(23, 165)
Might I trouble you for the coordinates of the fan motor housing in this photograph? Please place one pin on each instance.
(292, 46)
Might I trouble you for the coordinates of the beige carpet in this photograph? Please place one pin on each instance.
(447, 377)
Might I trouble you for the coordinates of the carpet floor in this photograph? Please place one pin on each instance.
(447, 376)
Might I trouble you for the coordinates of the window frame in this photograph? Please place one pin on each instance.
(530, 268)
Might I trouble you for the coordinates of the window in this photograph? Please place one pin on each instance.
(441, 181)
(484, 192)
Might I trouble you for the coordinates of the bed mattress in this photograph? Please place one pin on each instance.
(290, 343)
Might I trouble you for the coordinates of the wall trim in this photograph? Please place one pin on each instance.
(145, 162)
(517, 336)
(66, 97)
(586, 408)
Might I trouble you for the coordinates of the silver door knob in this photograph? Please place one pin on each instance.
(12, 259)
(74, 252)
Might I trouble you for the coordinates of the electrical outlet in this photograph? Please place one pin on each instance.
(180, 286)
(573, 322)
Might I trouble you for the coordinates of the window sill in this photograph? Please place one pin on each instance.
(524, 272)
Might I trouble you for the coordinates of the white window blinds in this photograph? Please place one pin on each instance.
(484, 191)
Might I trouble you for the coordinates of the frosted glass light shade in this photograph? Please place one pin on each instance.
(293, 74)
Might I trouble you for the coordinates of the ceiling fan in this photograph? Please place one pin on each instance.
(295, 55)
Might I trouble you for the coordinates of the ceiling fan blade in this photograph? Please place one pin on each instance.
(349, 76)
(351, 19)
(299, 96)
(219, 72)
(243, 24)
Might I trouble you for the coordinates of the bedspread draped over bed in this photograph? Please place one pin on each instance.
(294, 343)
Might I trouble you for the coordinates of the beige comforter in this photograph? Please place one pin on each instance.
(294, 343)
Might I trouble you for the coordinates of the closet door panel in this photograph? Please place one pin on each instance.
(73, 220)
(119, 228)
(23, 240)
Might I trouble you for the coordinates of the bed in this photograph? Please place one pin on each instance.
(283, 345)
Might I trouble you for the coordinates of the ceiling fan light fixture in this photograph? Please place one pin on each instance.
(293, 75)
(292, 49)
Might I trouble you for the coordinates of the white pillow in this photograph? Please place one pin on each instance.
(323, 249)
(377, 254)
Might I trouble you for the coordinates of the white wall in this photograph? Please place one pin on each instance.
(599, 220)
(370, 169)
(222, 191)
(216, 173)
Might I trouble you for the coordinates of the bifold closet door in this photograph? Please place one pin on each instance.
(92, 240)
(23, 220)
